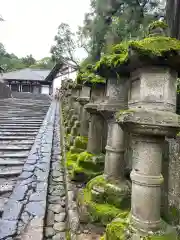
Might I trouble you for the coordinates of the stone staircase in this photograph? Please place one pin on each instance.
(20, 120)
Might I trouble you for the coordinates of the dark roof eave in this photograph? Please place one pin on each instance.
(55, 70)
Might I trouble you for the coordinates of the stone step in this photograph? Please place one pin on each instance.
(14, 148)
(18, 124)
(3, 201)
(6, 188)
(18, 128)
(23, 142)
(23, 129)
(13, 155)
(16, 138)
(9, 173)
(11, 163)
(18, 133)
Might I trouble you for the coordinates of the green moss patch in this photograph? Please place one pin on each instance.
(119, 56)
(81, 142)
(108, 205)
(155, 46)
(157, 24)
(98, 213)
(89, 77)
(113, 192)
(120, 229)
(81, 166)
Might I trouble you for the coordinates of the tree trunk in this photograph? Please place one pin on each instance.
(173, 17)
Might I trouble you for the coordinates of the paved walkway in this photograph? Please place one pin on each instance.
(29, 149)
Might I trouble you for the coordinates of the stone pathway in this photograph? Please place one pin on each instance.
(20, 121)
(20, 128)
(56, 206)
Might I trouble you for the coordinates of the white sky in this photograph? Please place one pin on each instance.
(30, 25)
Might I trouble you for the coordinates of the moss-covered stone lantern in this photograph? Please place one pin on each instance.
(150, 118)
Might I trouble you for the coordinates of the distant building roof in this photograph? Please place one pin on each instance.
(27, 74)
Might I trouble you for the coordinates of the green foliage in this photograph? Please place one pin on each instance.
(44, 63)
(87, 75)
(10, 62)
(28, 60)
(155, 46)
(118, 57)
(65, 45)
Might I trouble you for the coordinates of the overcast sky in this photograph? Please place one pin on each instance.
(30, 25)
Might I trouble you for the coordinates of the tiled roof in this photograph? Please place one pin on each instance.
(27, 74)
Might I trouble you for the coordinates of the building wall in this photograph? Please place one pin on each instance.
(45, 89)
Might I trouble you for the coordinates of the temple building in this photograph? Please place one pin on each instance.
(29, 80)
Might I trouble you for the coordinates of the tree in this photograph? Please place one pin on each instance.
(65, 46)
(111, 21)
(173, 17)
(45, 63)
(28, 60)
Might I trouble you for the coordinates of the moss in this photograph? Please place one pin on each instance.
(172, 215)
(118, 57)
(123, 112)
(73, 149)
(68, 237)
(157, 24)
(155, 46)
(121, 229)
(71, 159)
(89, 77)
(112, 192)
(98, 213)
(81, 174)
(81, 166)
(89, 161)
(81, 142)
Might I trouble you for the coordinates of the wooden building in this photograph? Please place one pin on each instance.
(29, 80)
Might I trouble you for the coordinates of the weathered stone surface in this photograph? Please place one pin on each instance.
(56, 208)
(36, 208)
(29, 167)
(25, 217)
(59, 227)
(59, 179)
(26, 175)
(60, 217)
(7, 228)
(59, 236)
(12, 210)
(49, 232)
(50, 218)
(56, 174)
(19, 192)
(38, 196)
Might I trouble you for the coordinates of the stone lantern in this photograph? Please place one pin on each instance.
(74, 96)
(97, 125)
(117, 99)
(84, 116)
(150, 118)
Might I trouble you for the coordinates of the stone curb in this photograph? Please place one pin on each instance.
(72, 208)
(25, 210)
